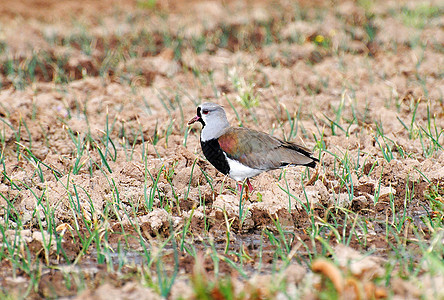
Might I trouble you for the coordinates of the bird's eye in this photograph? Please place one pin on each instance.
(205, 112)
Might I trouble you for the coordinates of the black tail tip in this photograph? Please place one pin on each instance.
(313, 163)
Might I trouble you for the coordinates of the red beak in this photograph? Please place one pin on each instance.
(193, 120)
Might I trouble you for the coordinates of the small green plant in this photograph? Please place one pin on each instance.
(435, 195)
(322, 41)
(420, 15)
(147, 4)
(246, 93)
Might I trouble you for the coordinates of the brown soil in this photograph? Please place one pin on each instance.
(311, 68)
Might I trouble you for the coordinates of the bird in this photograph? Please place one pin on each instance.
(242, 153)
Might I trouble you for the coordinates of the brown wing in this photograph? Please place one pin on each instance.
(261, 151)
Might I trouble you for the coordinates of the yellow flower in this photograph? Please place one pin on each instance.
(319, 39)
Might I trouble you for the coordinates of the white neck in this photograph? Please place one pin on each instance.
(214, 129)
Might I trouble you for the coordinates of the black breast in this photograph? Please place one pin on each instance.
(214, 154)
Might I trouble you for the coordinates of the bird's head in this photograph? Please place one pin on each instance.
(213, 119)
(209, 113)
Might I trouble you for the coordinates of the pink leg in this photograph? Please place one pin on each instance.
(239, 187)
(250, 187)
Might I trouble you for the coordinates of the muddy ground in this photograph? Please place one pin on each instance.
(94, 102)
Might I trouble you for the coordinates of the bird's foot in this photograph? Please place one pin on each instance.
(250, 187)
(240, 187)
(245, 190)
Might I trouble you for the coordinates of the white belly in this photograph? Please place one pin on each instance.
(239, 171)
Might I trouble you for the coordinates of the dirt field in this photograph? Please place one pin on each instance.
(104, 190)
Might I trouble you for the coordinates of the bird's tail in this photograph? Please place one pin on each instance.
(313, 163)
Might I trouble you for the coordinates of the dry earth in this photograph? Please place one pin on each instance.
(94, 102)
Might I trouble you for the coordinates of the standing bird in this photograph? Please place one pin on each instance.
(242, 153)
